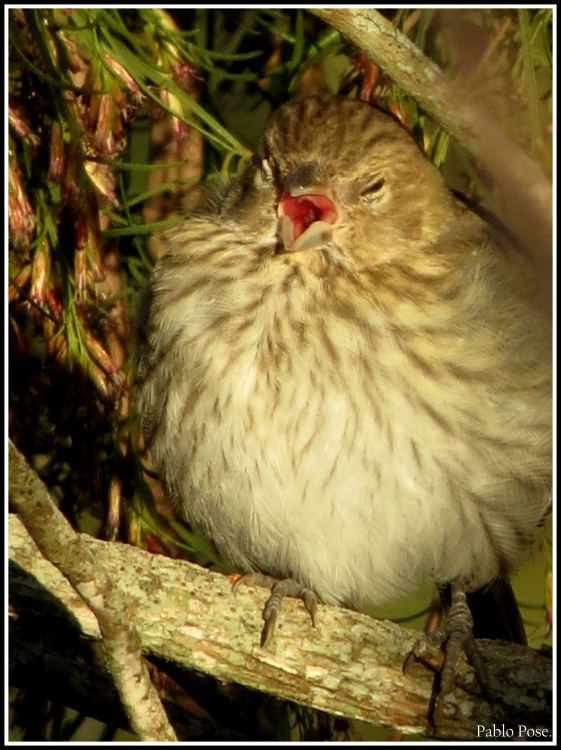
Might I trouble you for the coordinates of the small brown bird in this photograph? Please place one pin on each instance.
(344, 379)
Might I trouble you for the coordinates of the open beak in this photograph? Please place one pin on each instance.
(306, 210)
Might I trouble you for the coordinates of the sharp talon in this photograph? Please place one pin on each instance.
(414, 655)
(270, 618)
(475, 658)
(279, 589)
(311, 604)
(455, 637)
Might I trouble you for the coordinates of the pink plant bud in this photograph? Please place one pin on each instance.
(103, 178)
(19, 282)
(117, 114)
(56, 155)
(371, 73)
(20, 214)
(82, 232)
(91, 115)
(17, 122)
(100, 355)
(51, 44)
(104, 120)
(70, 191)
(80, 273)
(180, 129)
(122, 73)
(40, 273)
(95, 262)
(109, 133)
(55, 342)
(76, 107)
(185, 76)
(74, 60)
(54, 302)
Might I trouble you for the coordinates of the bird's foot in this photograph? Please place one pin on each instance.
(453, 638)
(279, 589)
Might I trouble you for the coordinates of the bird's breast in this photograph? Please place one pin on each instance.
(334, 449)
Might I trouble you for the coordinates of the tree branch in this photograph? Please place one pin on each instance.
(350, 665)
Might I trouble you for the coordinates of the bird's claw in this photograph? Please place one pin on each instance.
(456, 636)
(279, 589)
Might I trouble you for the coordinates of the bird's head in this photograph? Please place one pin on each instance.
(339, 176)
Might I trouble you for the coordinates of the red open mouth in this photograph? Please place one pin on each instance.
(306, 220)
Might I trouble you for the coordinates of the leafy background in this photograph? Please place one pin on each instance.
(116, 117)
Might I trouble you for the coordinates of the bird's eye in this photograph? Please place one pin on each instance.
(263, 172)
(373, 188)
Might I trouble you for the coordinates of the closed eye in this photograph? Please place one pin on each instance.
(373, 187)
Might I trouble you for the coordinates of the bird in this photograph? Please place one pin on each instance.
(344, 376)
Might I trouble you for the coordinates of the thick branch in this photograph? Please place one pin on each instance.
(350, 665)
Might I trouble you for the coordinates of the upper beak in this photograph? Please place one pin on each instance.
(306, 210)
